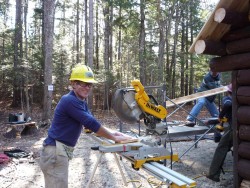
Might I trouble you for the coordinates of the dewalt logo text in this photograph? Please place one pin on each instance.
(153, 107)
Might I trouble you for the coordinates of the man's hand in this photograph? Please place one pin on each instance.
(120, 137)
(115, 136)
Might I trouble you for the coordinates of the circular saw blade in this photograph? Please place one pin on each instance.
(125, 106)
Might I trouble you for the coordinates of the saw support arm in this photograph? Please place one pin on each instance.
(143, 101)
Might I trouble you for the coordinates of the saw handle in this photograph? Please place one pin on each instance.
(154, 100)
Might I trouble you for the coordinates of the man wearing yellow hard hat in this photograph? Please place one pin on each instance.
(70, 115)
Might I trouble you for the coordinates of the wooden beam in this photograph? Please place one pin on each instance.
(244, 132)
(230, 62)
(239, 46)
(236, 34)
(244, 168)
(234, 18)
(210, 47)
(243, 95)
(243, 77)
(244, 150)
(195, 96)
(243, 114)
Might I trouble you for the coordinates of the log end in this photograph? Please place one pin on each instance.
(219, 15)
(200, 46)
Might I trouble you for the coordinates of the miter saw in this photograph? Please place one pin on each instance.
(133, 104)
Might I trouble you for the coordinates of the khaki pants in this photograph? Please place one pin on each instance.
(54, 165)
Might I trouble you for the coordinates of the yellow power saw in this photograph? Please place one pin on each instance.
(133, 104)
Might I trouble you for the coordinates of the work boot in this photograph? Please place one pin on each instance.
(189, 123)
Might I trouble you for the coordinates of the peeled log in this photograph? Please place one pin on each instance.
(230, 62)
(210, 47)
(243, 114)
(243, 95)
(244, 132)
(237, 34)
(243, 77)
(239, 46)
(244, 150)
(223, 15)
(243, 167)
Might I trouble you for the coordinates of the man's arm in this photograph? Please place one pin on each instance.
(117, 137)
(227, 105)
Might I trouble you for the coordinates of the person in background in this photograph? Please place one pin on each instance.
(210, 81)
(70, 115)
(226, 141)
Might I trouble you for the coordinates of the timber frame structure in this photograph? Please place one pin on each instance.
(226, 34)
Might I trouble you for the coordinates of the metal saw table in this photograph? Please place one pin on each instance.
(178, 131)
(163, 173)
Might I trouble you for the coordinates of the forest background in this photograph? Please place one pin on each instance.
(121, 40)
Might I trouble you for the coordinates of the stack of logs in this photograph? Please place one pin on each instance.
(242, 123)
(234, 46)
(233, 54)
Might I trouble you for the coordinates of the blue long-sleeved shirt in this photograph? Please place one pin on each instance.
(226, 110)
(71, 114)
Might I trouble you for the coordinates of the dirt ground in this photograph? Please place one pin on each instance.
(25, 172)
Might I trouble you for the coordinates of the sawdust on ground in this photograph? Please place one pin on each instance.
(25, 173)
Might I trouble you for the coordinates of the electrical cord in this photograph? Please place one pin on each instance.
(154, 183)
(135, 181)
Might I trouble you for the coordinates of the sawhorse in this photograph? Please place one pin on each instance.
(99, 160)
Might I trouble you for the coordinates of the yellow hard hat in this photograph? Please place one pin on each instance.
(82, 73)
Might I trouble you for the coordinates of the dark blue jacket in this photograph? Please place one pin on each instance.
(71, 114)
(210, 82)
(226, 110)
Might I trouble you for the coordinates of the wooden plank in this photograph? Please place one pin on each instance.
(129, 141)
(195, 96)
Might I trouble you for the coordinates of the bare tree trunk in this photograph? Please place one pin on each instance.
(174, 54)
(106, 53)
(168, 62)
(3, 54)
(91, 51)
(182, 84)
(111, 37)
(17, 81)
(161, 24)
(119, 45)
(48, 19)
(191, 67)
(186, 60)
(142, 61)
(26, 87)
(86, 32)
(77, 33)
(97, 38)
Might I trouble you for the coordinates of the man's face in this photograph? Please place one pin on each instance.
(82, 89)
(214, 74)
